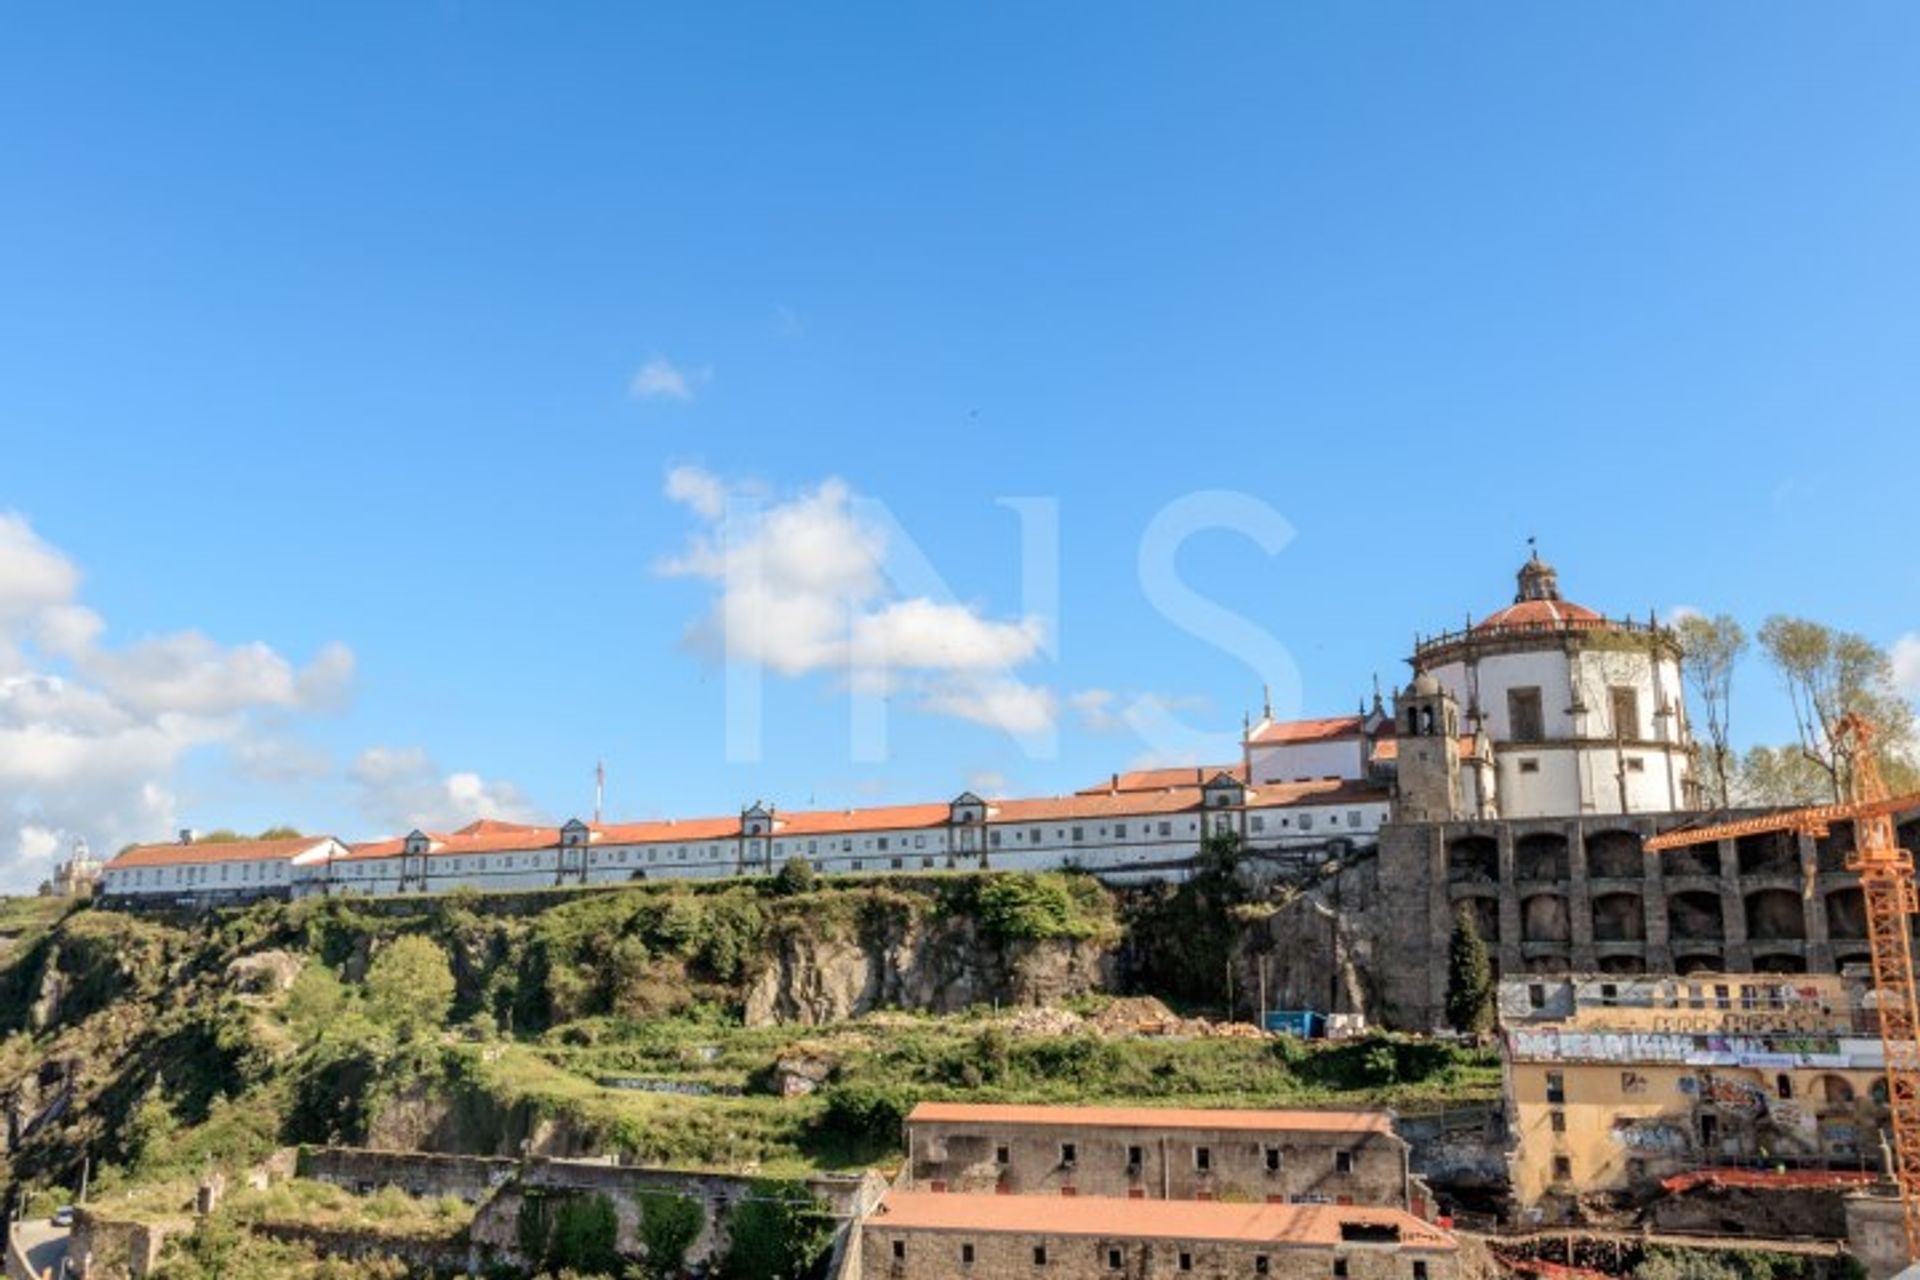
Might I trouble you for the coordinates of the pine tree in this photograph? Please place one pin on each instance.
(1469, 978)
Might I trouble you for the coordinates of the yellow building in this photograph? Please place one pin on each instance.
(1616, 1081)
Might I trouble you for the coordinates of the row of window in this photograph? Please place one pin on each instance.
(621, 858)
(1115, 1258)
(1202, 1158)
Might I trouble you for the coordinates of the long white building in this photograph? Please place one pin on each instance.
(1139, 826)
(1545, 708)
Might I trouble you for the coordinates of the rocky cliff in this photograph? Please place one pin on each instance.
(936, 965)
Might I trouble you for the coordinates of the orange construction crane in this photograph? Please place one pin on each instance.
(1886, 882)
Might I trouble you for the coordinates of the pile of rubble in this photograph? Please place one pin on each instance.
(1125, 1016)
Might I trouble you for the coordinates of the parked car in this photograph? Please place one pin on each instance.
(63, 1216)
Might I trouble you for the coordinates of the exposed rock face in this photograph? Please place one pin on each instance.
(1318, 950)
(264, 973)
(940, 965)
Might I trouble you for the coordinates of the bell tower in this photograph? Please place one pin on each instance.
(1427, 724)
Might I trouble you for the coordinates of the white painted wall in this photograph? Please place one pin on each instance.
(1306, 761)
(1133, 847)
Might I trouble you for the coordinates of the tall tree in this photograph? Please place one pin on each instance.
(1470, 988)
(1710, 649)
(1828, 673)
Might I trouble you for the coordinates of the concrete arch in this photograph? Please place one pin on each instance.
(1779, 962)
(1847, 914)
(1699, 962)
(1486, 916)
(1775, 915)
(1771, 853)
(1695, 916)
(1541, 856)
(1622, 964)
(1544, 918)
(1550, 964)
(1619, 917)
(1473, 859)
(1690, 860)
(1831, 851)
(1615, 855)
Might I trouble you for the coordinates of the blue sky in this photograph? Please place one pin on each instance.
(322, 329)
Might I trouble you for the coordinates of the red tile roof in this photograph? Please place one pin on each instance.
(1328, 729)
(1160, 779)
(1541, 615)
(668, 831)
(1300, 1119)
(1281, 1225)
(885, 818)
(174, 855)
(487, 826)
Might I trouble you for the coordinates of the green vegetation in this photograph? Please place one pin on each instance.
(1470, 986)
(203, 1044)
(1046, 905)
(669, 1225)
(1186, 934)
(779, 1232)
(410, 987)
(1661, 1263)
(571, 1233)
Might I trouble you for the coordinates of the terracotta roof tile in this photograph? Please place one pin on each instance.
(1160, 779)
(173, 855)
(1328, 729)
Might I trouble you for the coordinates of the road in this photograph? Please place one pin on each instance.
(42, 1244)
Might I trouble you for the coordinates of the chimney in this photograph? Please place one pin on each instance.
(186, 835)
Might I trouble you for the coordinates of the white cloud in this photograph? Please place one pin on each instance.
(1018, 708)
(943, 637)
(987, 782)
(91, 735)
(1906, 664)
(401, 788)
(1679, 613)
(802, 586)
(660, 379)
(700, 490)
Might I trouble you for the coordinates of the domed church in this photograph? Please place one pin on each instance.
(1543, 708)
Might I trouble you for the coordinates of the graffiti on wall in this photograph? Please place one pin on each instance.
(1652, 1136)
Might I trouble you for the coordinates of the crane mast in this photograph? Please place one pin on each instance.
(1886, 885)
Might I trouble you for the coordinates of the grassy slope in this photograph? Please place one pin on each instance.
(183, 1073)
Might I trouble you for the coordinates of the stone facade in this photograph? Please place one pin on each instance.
(1298, 1157)
(919, 1236)
(1560, 895)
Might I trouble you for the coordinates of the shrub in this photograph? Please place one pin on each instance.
(1024, 907)
(669, 1225)
(871, 1113)
(779, 1232)
(410, 986)
(795, 877)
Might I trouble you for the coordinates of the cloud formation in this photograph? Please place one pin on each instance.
(660, 379)
(1906, 663)
(91, 735)
(399, 789)
(803, 586)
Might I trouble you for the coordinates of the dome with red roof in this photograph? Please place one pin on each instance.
(1537, 605)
